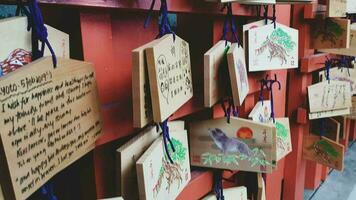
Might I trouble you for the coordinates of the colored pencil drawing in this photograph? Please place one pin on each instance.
(325, 151)
(234, 150)
(279, 43)
(172, 173)
(282, 137)
(257, 158)
(282, 132)
(241, 68)
(329, 31)
(228, 144)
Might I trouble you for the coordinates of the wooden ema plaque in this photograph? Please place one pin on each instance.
(323, 151)
(326, 96)
(352, 114)
(241, 145)
(342, 122)
(157, 177)
(336, 8)
(49, 119)
(340, 74)
(351, 6)
(14, 35)
(236, 193)
(261, 112)
(331, 128)
(141, 96)
(129, 153)
(284, 141)
(329, 113)
(238, 73)
(351, 51)
(170, 76)
(331, 33)
(249, 26)
(261, 193)
(213, 59)
(272, 48)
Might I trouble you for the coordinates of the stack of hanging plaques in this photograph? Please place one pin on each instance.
(141, 96)
(161, 79)
(170, 75)
(130, 152)
(214, 58)
(157, 177)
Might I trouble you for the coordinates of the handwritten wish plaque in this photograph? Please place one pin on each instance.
(340, 74)
(325, 96)
(170, 76)
(141, 96)
(49, 118)
(238, 73)
(272, 48)
(336, 8)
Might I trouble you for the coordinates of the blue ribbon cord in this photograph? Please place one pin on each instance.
(47, 191)
(39, 33)
(328, 64)
(218, 188)
(164, 26)
(263, 84)
(22, 10)
(322, 127)
(269, 85)
(229, 19)
(166, 137)
(265, 14)
(274, 16)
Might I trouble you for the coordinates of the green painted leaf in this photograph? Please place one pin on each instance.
(282, 132)
(282, 38)
(328, 148)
